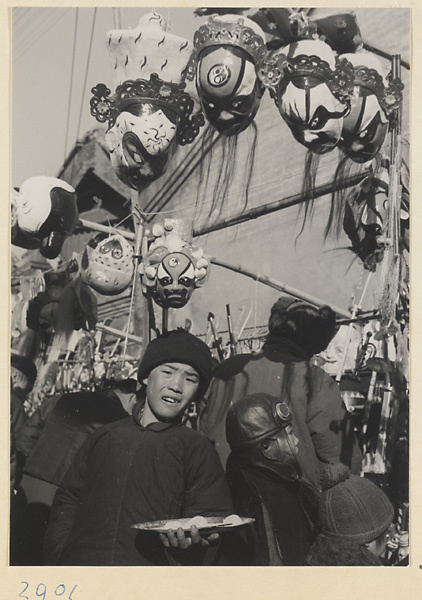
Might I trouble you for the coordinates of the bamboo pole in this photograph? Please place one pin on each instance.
(107, 229)
(281, 287)
(265, 209)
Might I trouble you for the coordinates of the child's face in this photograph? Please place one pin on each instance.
(171, 387)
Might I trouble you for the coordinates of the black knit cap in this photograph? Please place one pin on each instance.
(181, 347)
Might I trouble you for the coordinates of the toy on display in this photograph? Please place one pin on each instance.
(106, 264)
(150, 110)
(44, 214)
(173, 268)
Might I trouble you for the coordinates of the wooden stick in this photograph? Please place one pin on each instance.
(118, 333)
(106, 229)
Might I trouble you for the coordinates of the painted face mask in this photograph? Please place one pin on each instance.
(228, 50)
(106, 264)
(311, 92)
(365, 127)
(175, 280)
(138, 143)
(173, 268)
(365, 222)
(150, 111)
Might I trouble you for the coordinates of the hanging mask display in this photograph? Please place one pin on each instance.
(44, 214)
(365, 222)
(228, 52)
(173, 268)
(106, 264)
(372, 101)
(150, 110)
(310, 88)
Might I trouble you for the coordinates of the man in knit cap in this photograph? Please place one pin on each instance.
(355, 516)
(145, 468)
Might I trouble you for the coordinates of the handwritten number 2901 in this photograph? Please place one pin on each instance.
(41, 591)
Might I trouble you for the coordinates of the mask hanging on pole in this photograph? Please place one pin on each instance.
(173, 268)
(150, 111)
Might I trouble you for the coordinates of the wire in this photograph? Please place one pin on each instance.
(71, 83)
(36, 33)
(84, 86)
(86, 72)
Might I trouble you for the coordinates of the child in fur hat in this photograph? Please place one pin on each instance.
(355, 516)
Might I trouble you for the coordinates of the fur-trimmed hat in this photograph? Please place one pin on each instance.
(181, 347)
(352, 508)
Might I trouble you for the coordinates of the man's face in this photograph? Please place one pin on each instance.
(171, 387)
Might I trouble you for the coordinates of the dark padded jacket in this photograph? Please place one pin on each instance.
(126, 474)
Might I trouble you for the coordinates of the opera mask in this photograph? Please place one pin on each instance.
(310, 90)
(173, 268)
(365, 127)
(228, 51)
(365, 220)
(175, 280)
(106, 264)
(148, 113)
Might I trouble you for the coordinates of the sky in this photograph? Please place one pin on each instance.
(50, 109)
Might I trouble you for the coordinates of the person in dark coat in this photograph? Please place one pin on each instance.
(266, 480)
(46, 445)
(283, 369)
(320, 424)
(145, 468)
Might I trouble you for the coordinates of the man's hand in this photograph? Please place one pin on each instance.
(179, 539)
